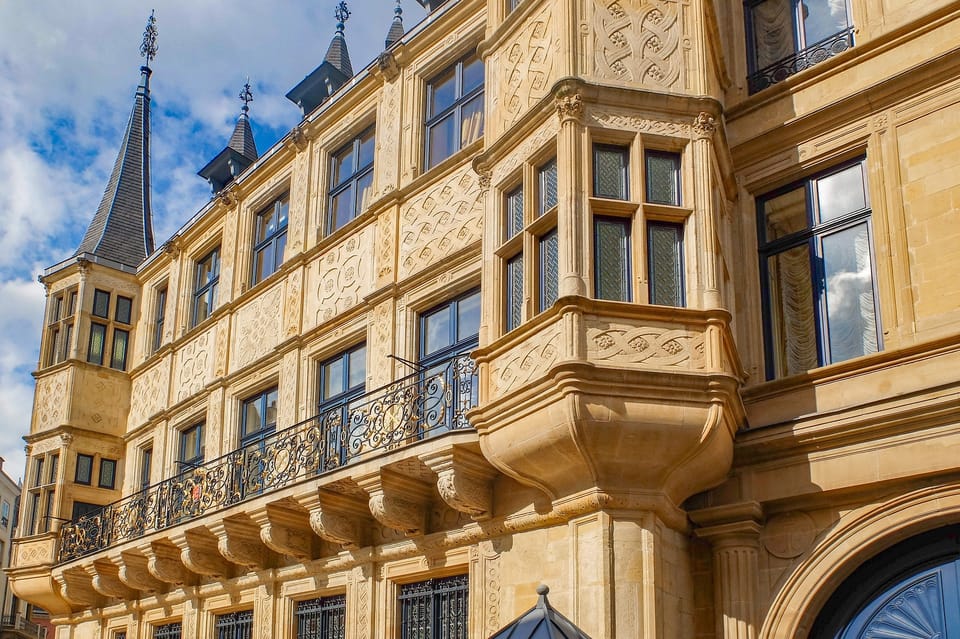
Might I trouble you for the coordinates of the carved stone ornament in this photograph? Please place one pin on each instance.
(228, 196)
(77, 588)
(106, 581)
(464, 480)
(704, 125)
(133, 572)
(298, 138)
(199, 554)
(484, 180)
(164, 563)
(239, 543)
(287, 531)
(397, 502)
(387, 63)
(570, 107)
(171, 248)
(336, 527)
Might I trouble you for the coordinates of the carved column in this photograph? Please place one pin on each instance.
(572, 219)
(704, 126)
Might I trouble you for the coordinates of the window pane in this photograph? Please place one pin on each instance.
(664, 259)
(341, 208)
(468, 317)
(146, 459)
(343, 166)
(442, 139)
(514, 212)
(191, 444)
(610, 172)
(785, 214)
(101, 303)
(252, 417)
(793, 328)
(367, 144)
(472, 74)
(822, 19)
(471, 126)
(57, 309)
(663, 178)
(271, 415)
(436, 329)
(773, 33)
(108, 471)
(841, 193)
(332, 379)
(547, 187)
(98, 335)
(612, 242)
(72, 306)
(851, 313)
(442, 93)
(549, 270)
(514, 291)
(364, 189)
(263, 263)
(120, 341)
(84, 469)
(358, 367)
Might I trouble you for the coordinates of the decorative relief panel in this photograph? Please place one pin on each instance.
(523, 152)
(149, 393)
(50, 408)
(624, 120)
(388, 138)
(258, 328)
(291, 307)
(381, 337)
(298, 203)
(651, 346)
(386, 240)
(526, 67)
(193, 364)
(445, 219)
(526, 361)
(342, 277)
(637, 42)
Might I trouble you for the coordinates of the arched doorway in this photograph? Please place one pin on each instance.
(911, 590)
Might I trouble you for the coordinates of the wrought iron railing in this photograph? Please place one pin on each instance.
(401, 413)
(815, 53)
(24, 625)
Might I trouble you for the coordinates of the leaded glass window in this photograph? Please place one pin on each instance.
(662, 178)
(514, 291)
(101, 304)
(547, 187)
(435, 609)
(610, 164)
(612, 258)
(322, 618)
(514, 212)
(549, 260)
(665, 263)
(98, 337)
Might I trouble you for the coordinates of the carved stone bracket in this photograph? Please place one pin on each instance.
(134, 573)
(464, 479)
(339, 518)
(106, 580)
(198, 551)
(76, 587)
(704, 125)
(228, 195)
(238, 540)
(397, 501)
(387, 65)
(285, 528)
(164, 563)
(298, 138)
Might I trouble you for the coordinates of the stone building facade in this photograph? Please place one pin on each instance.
(652, 301)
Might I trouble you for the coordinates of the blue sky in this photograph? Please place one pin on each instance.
(68, 73)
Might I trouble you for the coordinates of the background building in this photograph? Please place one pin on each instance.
(650, 301)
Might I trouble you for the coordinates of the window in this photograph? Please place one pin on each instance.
(98, 335)
(190, 454)
(342, 380)
(5, 513)
(167, 631)
(434, 609)
(323, 618)
(787, 36)
(611, 251)
(60, 324)
(351, 180)
(101, 304)
(235, 625)
(159, 317)
(454, 109)
(146, 461)
(121, 339)
(120, 634)
(123, 310)
(270, 240)
(259, 417)
(610, 171)
(108, 473)
(84, 471)
(817, 271)
(665, 263)
(206, 277)
(83, 509)
(662, 177)
(450, 329)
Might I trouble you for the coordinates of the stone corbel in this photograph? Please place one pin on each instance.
(464, 479)
(198, 551)
(164, 563)
(338, 518)
(238, 540)
(76, 587)
(171, 248)
(285, 528)
(134, 573)
(298, 139)
(228, 195)
(397, 501)
(106, 580)
(388, 66)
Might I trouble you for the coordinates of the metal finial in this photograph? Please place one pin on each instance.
(246, 96)
(148, 49)
(342, 14)
(398, 12)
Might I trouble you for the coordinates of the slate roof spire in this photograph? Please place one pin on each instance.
(122, 228)
(240, 152)
(396, 27)
(337, 54)
(333, 72)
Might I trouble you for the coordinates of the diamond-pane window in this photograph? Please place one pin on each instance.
(665, 263)
(547, 187)
(549, 257)
(663, 178)
(612, 258)
(610, 165)
(514, 212)
(514, 291)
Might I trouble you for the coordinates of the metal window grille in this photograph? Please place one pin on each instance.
(235, 625)
(120, 634)
(322, 618)
(435, 609)
(167, 631)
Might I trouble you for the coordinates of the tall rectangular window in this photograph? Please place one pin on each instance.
(611, 236)
(84, 470)
(60, 327)
(351, 180)
(108, 473)
(817, 271)
(190, 454)
(118, 357)
(159, 317)
(146, 462)
(435, 609)
(547, 187)
(259, 416)
(101, 304)
(234, 625)
(124, 310)
(662, 177)
(611, 171)
(270, 238)
(665, 263)
(454, 109)
(514, 291)
(206, 278)
(323, 618)
(167, 631)
(98, 336)
(548, 259)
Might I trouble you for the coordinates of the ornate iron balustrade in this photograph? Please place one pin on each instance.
(814, 54)
(404, 412)
(25, 626)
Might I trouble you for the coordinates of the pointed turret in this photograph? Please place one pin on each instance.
(396, 27)
(335, 70)
(122, 229)
(240, 152)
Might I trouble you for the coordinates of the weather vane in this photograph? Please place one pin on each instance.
(342, 14)
(149, 47)
(246, 95)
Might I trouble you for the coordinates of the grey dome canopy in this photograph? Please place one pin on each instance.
(541, 622)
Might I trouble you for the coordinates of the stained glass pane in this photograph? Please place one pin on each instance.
(851, 312)
(663, 178)
(549, 270)
(611, 254)
(514, 291)
(792, 323)
(547, 187)
(664, 242)
(610, 172)
(514, 212)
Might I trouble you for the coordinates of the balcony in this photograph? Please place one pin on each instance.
(19, 626)
(412, 409)
(793, 64)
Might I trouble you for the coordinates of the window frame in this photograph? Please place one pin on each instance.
(271, 242)
(190, 459)
(89, 473)
(255, 437)
(353, 181)
(112, 476)
(455, 109)
(207, 290)
(61, 320)
(233, 625)
(159, 315)
(433, 589)
(318, 614)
